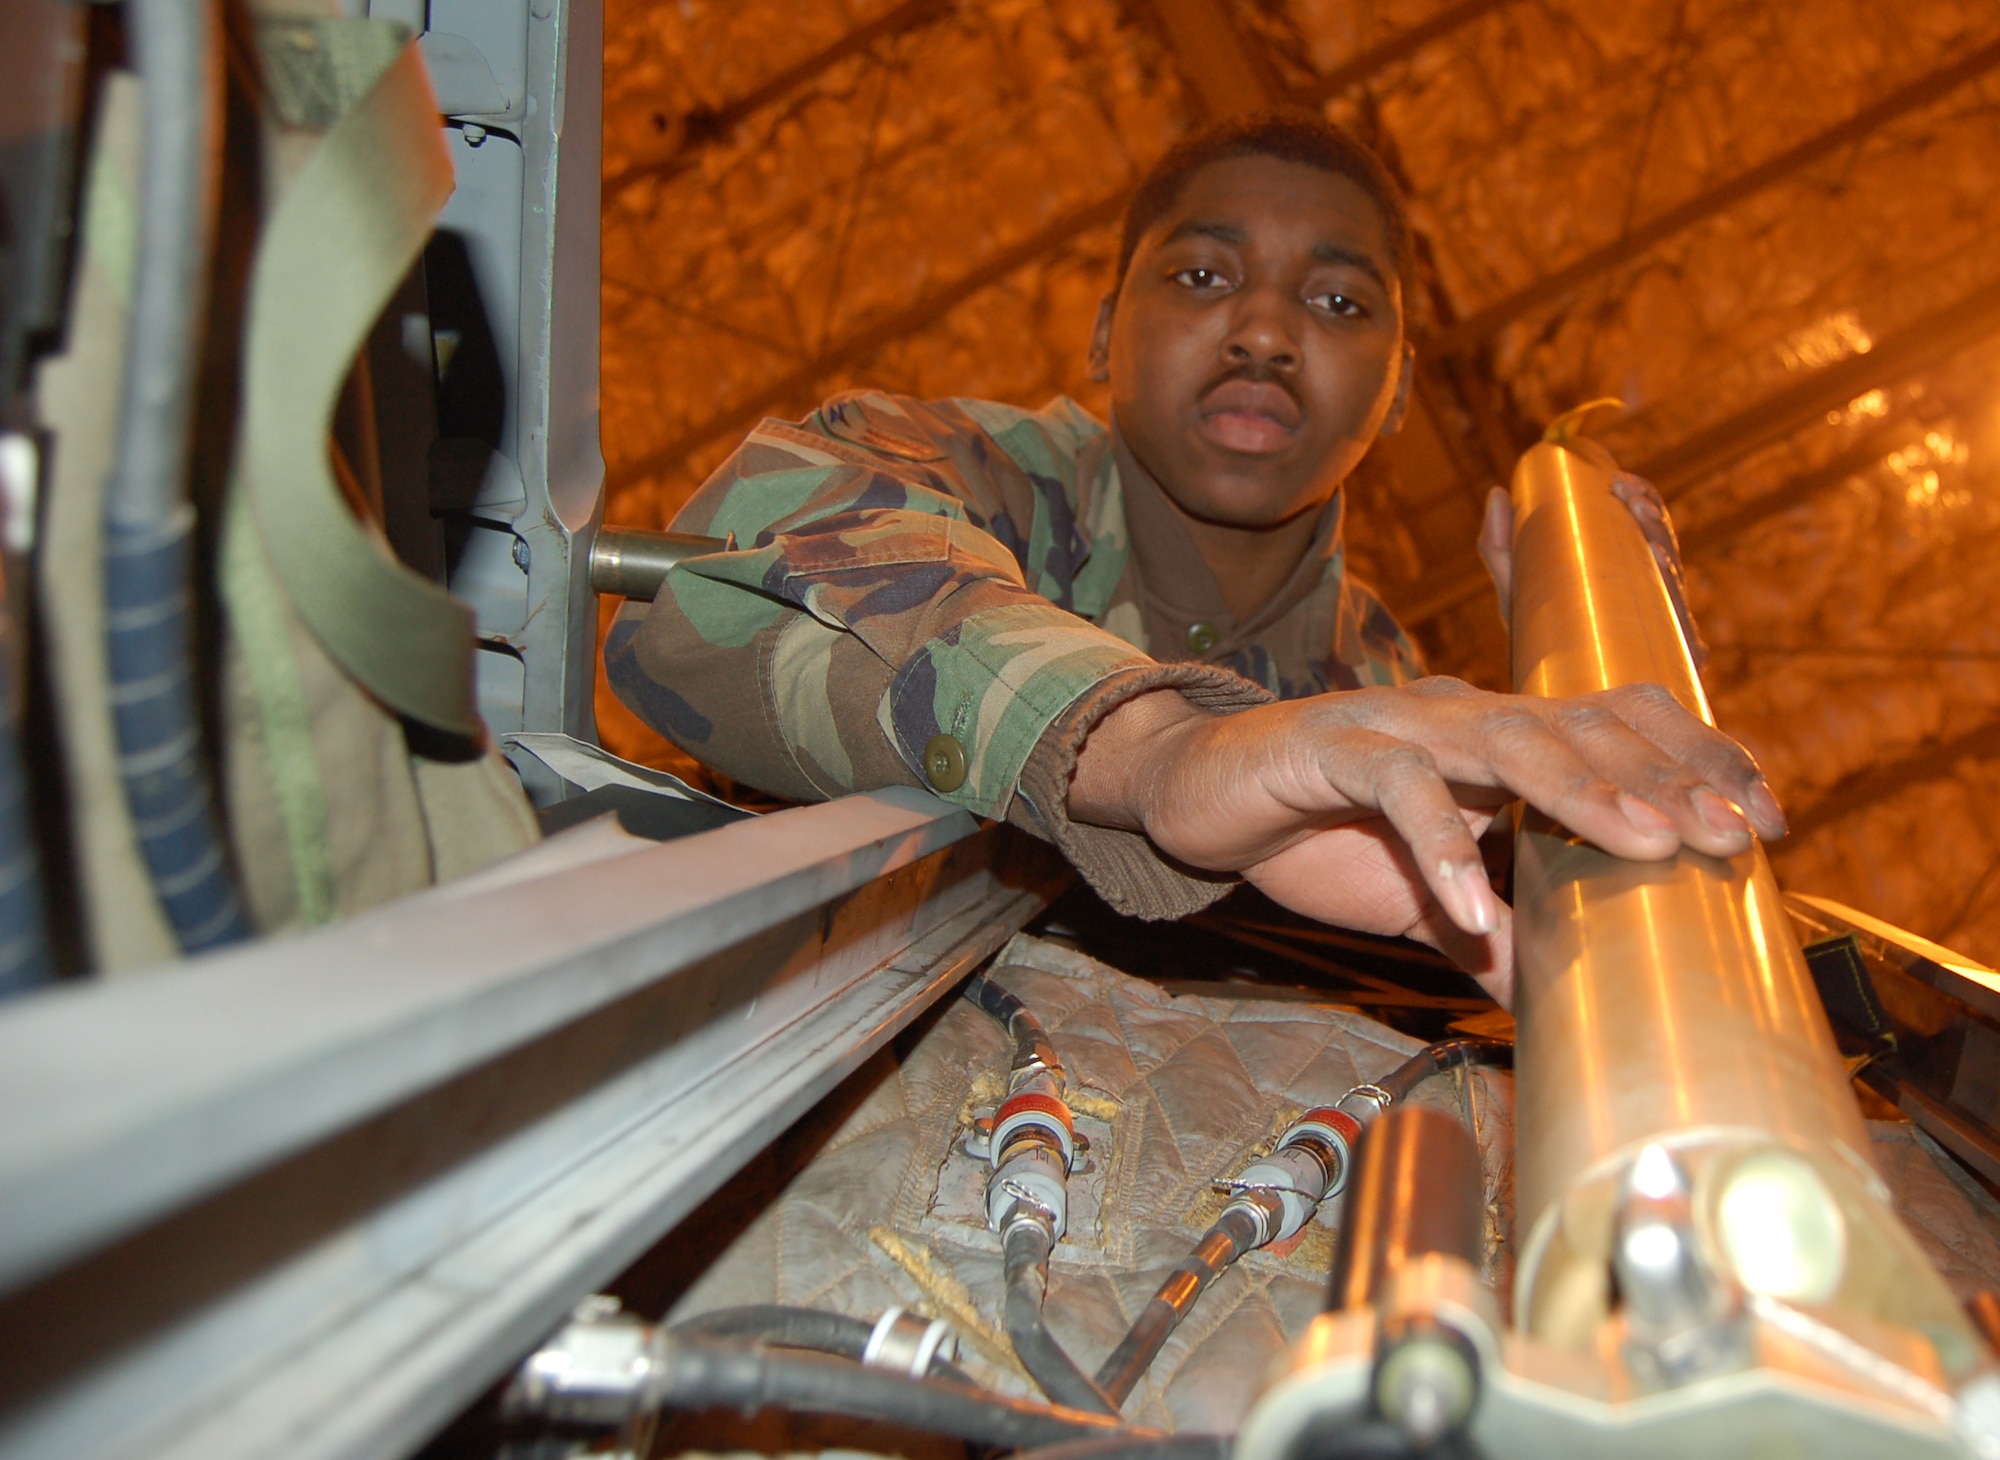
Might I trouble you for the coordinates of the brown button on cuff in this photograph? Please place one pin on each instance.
(1201, 638)
(944, 763)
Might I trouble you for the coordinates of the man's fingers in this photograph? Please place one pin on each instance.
(1649, 509)
(1401, 781)
(1704, 819)
(1722, 765)
(1488, 957)
(1496, 546)
(1527, 752)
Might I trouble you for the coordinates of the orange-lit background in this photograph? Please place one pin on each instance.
(1764, 226)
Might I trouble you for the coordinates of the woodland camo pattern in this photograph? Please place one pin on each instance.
(909, 568)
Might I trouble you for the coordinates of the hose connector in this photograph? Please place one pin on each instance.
(909, 1342)
(1281, 1191)
(602, 1371)
(1034, 1144)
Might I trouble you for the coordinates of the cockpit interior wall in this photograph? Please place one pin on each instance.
(1764, 228)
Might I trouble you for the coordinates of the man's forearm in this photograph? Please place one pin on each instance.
(1114, 766)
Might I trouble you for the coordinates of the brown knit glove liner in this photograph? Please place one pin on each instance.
(1123, 867)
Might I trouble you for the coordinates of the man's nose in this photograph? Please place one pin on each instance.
(1263, 331)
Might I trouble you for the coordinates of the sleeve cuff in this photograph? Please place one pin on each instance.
(1123, 867)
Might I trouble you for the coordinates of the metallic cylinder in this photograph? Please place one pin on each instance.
(1415, 1191)
(1664, 1001)
(632, 562)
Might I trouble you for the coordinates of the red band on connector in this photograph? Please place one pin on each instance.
(1030, 1101)
(1337, 1120)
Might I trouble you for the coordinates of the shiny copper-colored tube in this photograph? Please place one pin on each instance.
(1658, 1002)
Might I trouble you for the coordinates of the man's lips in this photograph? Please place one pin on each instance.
(1250, 415)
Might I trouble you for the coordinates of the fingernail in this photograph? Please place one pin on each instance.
(1645, 816)
(1766, 806)
(1474, 896)
(1720, 815)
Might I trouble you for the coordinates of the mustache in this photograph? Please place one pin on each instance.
(1250, 370)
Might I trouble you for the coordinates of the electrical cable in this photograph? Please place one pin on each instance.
(785, 1326)
(148, 520)
(25, 961)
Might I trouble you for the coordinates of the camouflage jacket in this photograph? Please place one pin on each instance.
(950, 594)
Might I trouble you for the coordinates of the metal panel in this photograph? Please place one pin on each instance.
(534, 267)
(315, 1194)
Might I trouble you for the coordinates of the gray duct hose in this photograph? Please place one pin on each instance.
(148, 522)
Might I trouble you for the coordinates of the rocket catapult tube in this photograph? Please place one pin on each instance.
(1667, 1002)
(1708, 1264)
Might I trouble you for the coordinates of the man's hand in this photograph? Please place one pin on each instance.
(1642, 499)
(1364, 808)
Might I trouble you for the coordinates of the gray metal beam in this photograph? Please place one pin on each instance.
(1924, 91)
(524, 538)
(309, 1197)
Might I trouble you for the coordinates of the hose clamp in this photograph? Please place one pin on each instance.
(1375, 1094)
(909, 1342)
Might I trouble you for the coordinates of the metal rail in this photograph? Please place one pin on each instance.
(310, 1197)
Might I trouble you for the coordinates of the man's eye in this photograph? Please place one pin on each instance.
(1341, 305)
(1200, 279)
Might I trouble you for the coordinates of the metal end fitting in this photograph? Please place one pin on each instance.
(908, 1342)
(1426, 1379)
(1682, 1319)
(1309, 1164)
(601, 1370)
(1034, 1144)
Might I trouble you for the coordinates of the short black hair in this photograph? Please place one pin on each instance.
(1290, 136)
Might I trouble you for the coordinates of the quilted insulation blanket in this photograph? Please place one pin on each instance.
(1172, 1093)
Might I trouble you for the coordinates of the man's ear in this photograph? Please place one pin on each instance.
(1400, 406)
(1100, 340)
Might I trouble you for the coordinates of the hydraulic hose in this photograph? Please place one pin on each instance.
(1025, 1246)
(1275, 1197)
(801, 1328)
(606, 1374)
(1033, 1143)
(1233, 1234)
(148, 521)
(1435, 1059)
(1032, 1047)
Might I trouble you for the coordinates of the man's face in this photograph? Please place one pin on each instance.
(1255, 348)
